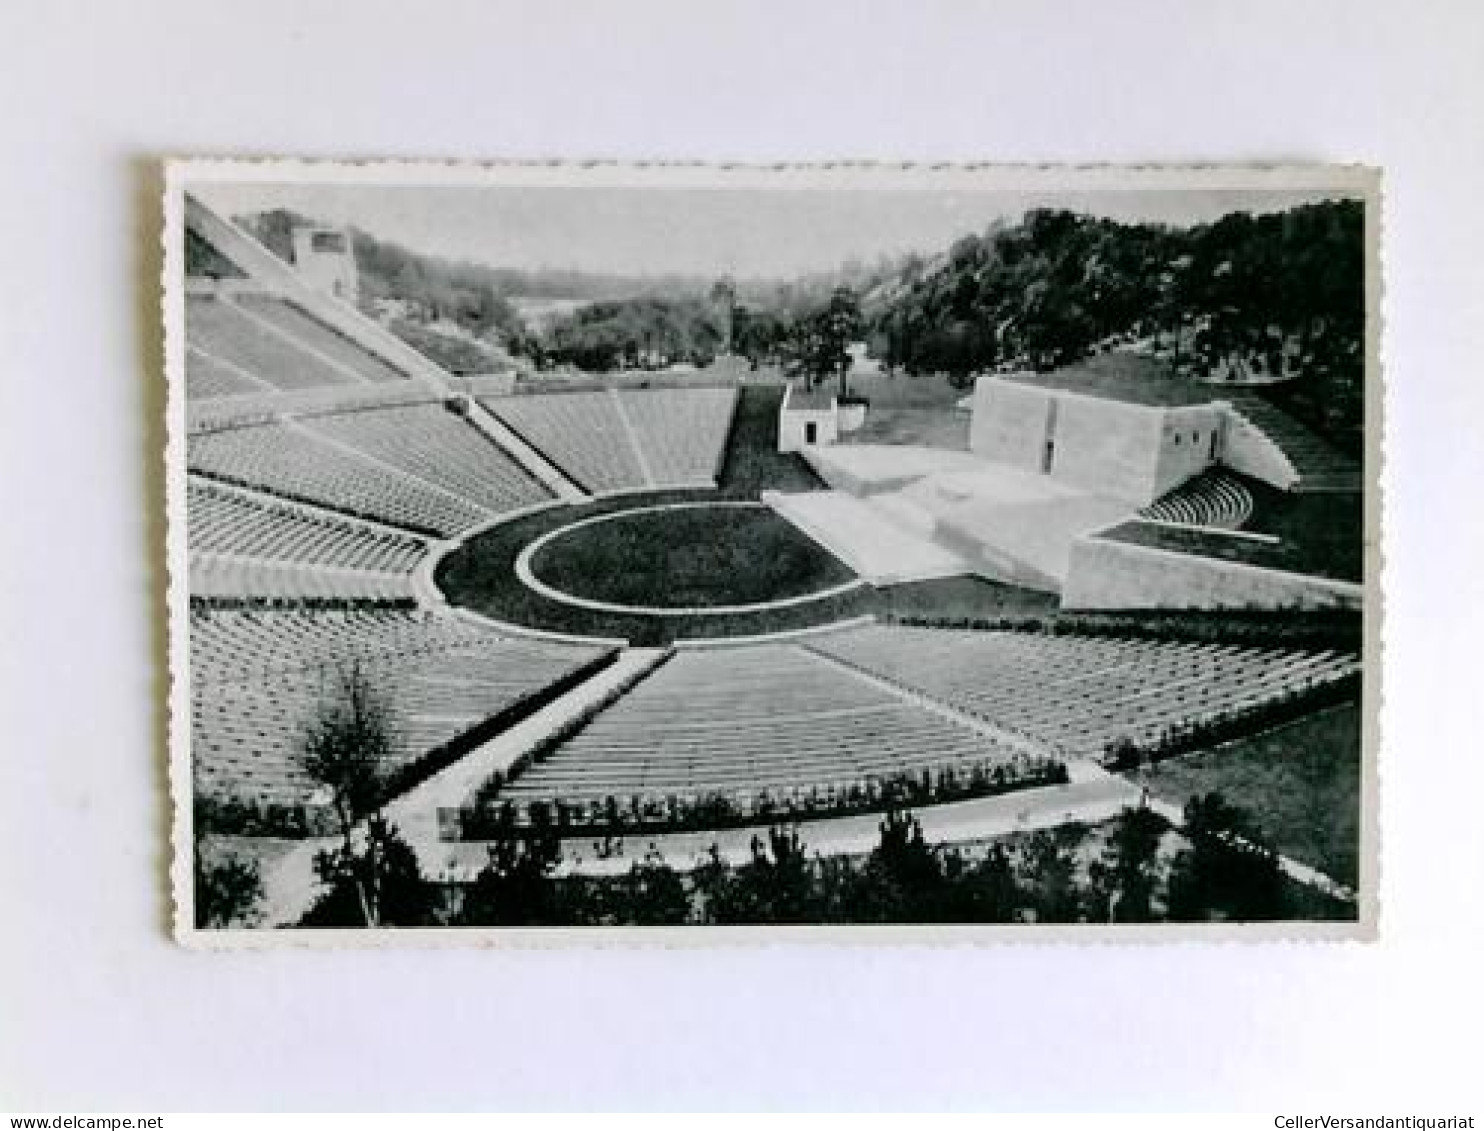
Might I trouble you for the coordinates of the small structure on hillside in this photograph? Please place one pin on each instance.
(807, 418)
(325, 257)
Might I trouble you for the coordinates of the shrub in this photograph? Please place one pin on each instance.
(490, 816)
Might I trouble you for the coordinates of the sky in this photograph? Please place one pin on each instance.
(745, 233)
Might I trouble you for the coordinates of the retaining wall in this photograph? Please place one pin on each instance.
(1105, 574)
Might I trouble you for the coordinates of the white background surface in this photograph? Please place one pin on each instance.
(99, 1010)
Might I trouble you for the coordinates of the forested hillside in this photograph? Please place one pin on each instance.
(453, 313)
(1278, 293)
(634, 333)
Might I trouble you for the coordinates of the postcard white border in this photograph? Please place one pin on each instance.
(181, 173)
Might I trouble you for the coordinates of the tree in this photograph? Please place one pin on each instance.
(654, 894)
(761, 336)
(840, 327)
(274, 229)
(635, 332)
(377, 884)
(515, 887)
(903, 877)
(344, 749)
(227, 891)
(227, 888)
(775, 886)
(1227, 872)
(1049, 868)
(819, 344)
(989, 892)
(1125, 879)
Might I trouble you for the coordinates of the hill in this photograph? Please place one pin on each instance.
(1279, 294)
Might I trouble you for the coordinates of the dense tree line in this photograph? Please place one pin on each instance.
(1269, 293)
(1272, 293)
(634, 333)
(468, 295)
(1133, 870)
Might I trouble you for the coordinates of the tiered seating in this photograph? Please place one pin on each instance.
(231, 577)
(769, 718)
(260, 679)
(208, 377)
(224, 520)
(218, 328)
(1082, 694)
(682, 432)
(1214, 498)
(437, 446)
(321, 338)
(287, 461)
(582, 433)
(214, 415)
(229, 647)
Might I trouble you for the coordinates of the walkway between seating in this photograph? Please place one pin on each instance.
(290, 886)
(957, 823)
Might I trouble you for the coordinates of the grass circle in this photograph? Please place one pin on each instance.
(689, 556)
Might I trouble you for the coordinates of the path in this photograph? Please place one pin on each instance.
(290, 886)
(960, 822)
(641, 457)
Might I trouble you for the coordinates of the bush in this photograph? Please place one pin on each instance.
(227, 892)
(490, 816)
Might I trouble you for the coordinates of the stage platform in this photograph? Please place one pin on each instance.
(868, 469)
(882, 545)
(902, 513)
(1012, 525)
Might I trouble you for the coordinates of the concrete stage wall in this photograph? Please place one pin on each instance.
(1104, 574)
(1007, 523)
(1108, 447)
(1116, 449)
(1010, 423)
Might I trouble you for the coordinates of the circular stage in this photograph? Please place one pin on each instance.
(650, 569)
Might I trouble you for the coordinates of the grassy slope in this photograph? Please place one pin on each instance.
(911, 410)
(752, 462)
(1336, 558)
(1324, 532)
(1301, 783)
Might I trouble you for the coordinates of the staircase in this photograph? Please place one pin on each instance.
(1318, 465)
(515, 446)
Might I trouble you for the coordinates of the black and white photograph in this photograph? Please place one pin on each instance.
(714, 548)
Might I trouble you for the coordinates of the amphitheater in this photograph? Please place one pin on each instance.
(353, 506)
